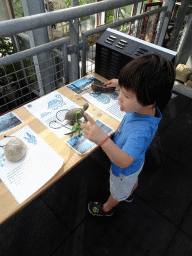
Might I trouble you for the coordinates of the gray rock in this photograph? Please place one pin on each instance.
(15, 150)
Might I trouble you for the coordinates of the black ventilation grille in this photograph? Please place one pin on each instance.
(104, 57)
(141, 51)
(115, 49)
(121, 44)
(109, 62)
(110, 39)
(114, 64)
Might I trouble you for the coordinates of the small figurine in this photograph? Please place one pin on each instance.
(71, 114)
(77, 125)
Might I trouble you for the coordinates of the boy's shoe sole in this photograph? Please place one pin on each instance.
(95, 209)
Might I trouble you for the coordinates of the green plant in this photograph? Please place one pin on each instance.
(6, 46)
(109, 16)
(18, 8)
(81, 2)
(68, 3)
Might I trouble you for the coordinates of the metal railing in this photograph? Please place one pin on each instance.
(23, 79)
(12, 27)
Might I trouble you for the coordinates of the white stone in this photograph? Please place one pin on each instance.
(15, 150)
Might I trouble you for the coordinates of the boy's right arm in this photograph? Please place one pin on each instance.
(94, 133)
(113, 83)
(117, 155)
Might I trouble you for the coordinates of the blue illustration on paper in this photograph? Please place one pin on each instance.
(81, 144)
(56, 103)
(2, 159)
(45, 114)
(101, 98)
(114, 96)
(30, 138)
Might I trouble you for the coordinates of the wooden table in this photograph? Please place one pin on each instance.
(8, 205)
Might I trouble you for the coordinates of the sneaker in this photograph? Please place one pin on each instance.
(96, 209)
(129, 199)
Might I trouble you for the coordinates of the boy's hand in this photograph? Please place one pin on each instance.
(92, 131)
(113, 83)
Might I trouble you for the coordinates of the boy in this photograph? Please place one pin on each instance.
(144, 83)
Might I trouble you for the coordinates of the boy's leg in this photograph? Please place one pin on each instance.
(134, 187)
(130, 198)
(111, 202)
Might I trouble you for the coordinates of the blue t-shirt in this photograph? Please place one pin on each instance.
(134, 137)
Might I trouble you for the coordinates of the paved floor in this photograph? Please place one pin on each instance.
(157, 222)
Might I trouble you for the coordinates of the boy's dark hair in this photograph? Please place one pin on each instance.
(151, 77)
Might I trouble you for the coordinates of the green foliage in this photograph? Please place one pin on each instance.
(6, 46)
(68, 3)
(109, 16)
(81, 2)
(18, 8)
(125, 12)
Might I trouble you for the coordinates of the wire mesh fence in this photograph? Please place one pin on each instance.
(185, 21)
(30, 78)
(91, 52)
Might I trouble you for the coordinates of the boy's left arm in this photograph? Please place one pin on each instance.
(94, 133)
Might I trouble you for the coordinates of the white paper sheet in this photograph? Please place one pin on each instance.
(107, 102)
(51, 110)
(29, 174)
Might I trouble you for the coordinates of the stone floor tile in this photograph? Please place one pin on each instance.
(175, 106)
(185, 117)
(134, 229)
(186, 224)
(101, 158)
(33, 231)
(72, 247)
(176, 142)
(167, 188)
(180, 246)
(68, 198)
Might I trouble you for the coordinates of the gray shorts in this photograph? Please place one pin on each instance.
(121, 187)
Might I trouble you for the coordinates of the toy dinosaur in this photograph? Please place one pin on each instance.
(77, 125)
(71, 114)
